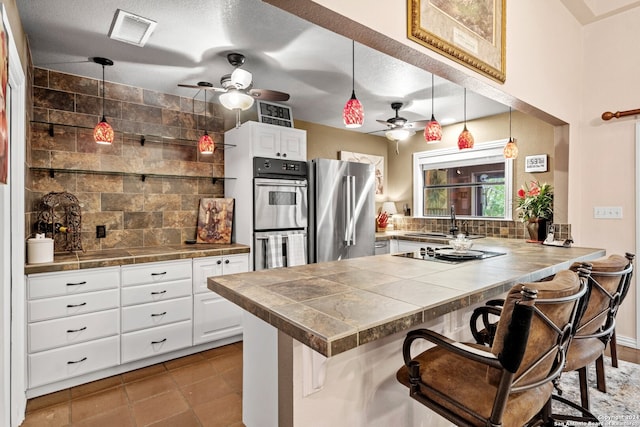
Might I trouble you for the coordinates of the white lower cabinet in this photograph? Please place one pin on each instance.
(213, 316)
(86, 321)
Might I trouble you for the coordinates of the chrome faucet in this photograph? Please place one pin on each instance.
(454, 228)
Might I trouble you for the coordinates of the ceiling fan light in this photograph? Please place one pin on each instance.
(206, 144)
(103, 133)
(353, 113)
(399, 134)
(433, 131)
(465, 140)
(511, 149)
(241, 78)
(236, 100)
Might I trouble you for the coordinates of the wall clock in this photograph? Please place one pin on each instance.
(275, 114)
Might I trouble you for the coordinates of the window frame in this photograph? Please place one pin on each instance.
(492, 152)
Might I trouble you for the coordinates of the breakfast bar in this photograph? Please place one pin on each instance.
(322, 341)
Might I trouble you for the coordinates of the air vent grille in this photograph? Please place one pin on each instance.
(129, 28)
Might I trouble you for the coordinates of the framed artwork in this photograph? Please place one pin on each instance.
(4, 126)
(469, 32)
(215, 221)
(376, 161)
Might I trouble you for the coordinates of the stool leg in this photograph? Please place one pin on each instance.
(601, 381)
(584, 389)
(614, 350)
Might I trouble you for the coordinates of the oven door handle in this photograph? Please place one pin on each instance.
(273, 184)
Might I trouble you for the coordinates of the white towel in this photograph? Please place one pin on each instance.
(296, 254)
(274, 251)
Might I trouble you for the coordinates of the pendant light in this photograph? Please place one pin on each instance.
(353, 113)
(433, 130)
(465, 140)
(511, 149)
(103, 132)
(205, 144)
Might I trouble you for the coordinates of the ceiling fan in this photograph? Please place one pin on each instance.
(399, 128)
(237, 88)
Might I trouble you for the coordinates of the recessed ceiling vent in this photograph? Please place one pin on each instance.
(129, 28)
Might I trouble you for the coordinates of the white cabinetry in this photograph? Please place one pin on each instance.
(213, 316)
(156, 308)
(73, 323)
(278, 142)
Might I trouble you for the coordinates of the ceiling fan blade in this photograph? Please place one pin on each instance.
(199, 86)
(241, 78)
(269, 95)
(416, 124)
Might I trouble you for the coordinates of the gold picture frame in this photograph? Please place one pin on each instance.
(472, 33)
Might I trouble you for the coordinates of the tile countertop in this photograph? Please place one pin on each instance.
(115, 257)
(335, 306)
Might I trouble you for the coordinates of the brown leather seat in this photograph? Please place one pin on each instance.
(610, 278)
(510, 383)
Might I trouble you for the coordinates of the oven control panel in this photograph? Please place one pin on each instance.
(265, 167)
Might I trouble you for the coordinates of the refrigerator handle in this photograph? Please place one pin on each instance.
(347, 211)
(353, 211)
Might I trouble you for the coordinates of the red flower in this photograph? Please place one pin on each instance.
(521, 193)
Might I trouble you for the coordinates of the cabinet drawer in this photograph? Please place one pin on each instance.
(156, 272)
(71, 305)
(57, 284)
(155, 292)
(150, 342)
(214, 318)
(155, 314)
(72, 330)
(62, 363)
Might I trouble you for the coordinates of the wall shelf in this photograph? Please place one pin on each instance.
(142, 176)
(142, 138)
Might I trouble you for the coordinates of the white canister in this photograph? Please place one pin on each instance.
(39, 250)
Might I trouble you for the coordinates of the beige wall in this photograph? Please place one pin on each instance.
(17, 31)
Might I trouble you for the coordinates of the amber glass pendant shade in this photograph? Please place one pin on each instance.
(433, 131)
(465, 140)
(511, 149)
(103, 133)
(206, 144)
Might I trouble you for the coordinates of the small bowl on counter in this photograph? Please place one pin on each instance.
(461, 244)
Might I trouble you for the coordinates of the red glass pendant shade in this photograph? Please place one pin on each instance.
(103, 132)
(465, 140)
(511, 149)
(353, 113)
(433, 131)
(206, 144)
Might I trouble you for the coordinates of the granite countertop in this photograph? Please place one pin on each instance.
(116, 257)
(336, 306)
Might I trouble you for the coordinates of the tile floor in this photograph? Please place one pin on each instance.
(200, 390)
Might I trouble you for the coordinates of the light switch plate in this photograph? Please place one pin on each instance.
(607, 212)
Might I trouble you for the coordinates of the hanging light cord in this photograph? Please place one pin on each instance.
(465, 106)
(103, 116)
(431, 94)
(353, 66)
(205, 112)
(509, 123)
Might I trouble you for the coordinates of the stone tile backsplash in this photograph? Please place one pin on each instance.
(150, 212)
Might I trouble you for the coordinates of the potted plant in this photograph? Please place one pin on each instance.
(535, 206)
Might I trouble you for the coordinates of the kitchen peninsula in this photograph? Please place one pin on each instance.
(322, 342)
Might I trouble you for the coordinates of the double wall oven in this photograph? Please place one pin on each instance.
(280, 205)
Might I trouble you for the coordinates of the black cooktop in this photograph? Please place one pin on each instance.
(448, 255)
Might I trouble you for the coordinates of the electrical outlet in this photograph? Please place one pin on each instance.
(101, 231)
(607, 212)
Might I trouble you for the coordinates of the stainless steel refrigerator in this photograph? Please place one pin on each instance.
(341, 210)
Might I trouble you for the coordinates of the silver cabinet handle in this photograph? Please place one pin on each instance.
(159, 342)
(76, 305)
(158, 292)
(70, 331)
(77, 284)
(71, 362)
(158, 314)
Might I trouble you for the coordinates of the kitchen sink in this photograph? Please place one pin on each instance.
(441, 235)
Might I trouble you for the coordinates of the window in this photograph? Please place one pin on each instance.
(478, 182)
